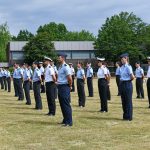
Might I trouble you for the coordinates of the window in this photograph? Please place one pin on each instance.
(80, 55)
(92, 55)
(17, 55)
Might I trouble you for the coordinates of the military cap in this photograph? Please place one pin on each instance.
(124, 55)
(70, 64)
(47, 58)
(62, 54)
(148, 58)
(36, 62)
(40, 62)
(100, 59)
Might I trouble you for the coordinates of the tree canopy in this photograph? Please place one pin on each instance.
(4, 38)
(38, 47)
(121, 33)
(23, 35)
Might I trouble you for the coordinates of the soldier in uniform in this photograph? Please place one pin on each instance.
(64, 82)
(8, 79)
(102, 84)
(37, 86)
(15, 81)
(139, 74)
(26, 83)
(73, 76)
(18, 82)
(31, 76)
(50, 80)
(4, 78)
(148, 80)
(126, 77)
(117, 73)
(56, 75)
(89, 75)
(42, 77)
(80, 84)
(1, 78)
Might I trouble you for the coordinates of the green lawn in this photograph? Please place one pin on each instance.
(23, 128)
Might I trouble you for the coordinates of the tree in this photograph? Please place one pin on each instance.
(23, 35)
(119, 34)
(38, 47)
(4, 39)
(59, 32)
(56, 31)
(79, 36)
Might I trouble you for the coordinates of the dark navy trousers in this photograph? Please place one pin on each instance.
(64, 100)
(139, 88)
(26, 86)
(148, 89)
(118, 83)
(90, 86)
(126, 97)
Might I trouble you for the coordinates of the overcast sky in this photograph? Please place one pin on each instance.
(75, 14)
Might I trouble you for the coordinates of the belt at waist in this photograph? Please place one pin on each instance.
(126, 81)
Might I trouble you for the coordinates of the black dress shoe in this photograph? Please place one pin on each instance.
(61, 123)
(138, 97)
(66, 125)
(28, 103)
(149, 106)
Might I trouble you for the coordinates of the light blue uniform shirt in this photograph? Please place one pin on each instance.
(1, 73)
(8, 74)
(36, 75)
(80, 73)
(18, 73)
(63, 72)
(125, 72)
(26, 74)
(102, 71)
(14, 73)
(139, 72)
(117, 71)
(4, 73)
(89, 72)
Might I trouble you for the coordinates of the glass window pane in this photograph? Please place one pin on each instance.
(80, 55)
(92, 55)
(17, 55)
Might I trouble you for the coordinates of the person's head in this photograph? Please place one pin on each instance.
(70, 65)
(27, 65)
(16, 65)
(79, 64)
(40, 64)
(124, 58)
(47, 60)
(88, 65)
(100, 61)
(137, 64)
(35, 64)
(61, 57)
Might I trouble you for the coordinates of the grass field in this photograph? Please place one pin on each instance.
(23, 128)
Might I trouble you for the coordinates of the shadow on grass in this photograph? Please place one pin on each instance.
(30, 114)
(37, 122)
(102, 118)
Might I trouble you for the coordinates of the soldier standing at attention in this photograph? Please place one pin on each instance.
(42, 77)
(15, 80)
(50, 80)
(1, 78)
(89, 75)
(118, 76)
(139, 74)
(8, 79)
(148, 81)
(19, 78)
(37, 86)
(26, 83)
(64, 86)
(56, 75)
(73, 76)
(102, 84)
(4, 78)
(80, 84)
(126, 77)
(31, 76)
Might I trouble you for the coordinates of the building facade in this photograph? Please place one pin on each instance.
(76, 50)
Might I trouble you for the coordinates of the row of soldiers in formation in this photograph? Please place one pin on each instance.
(61, 82)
